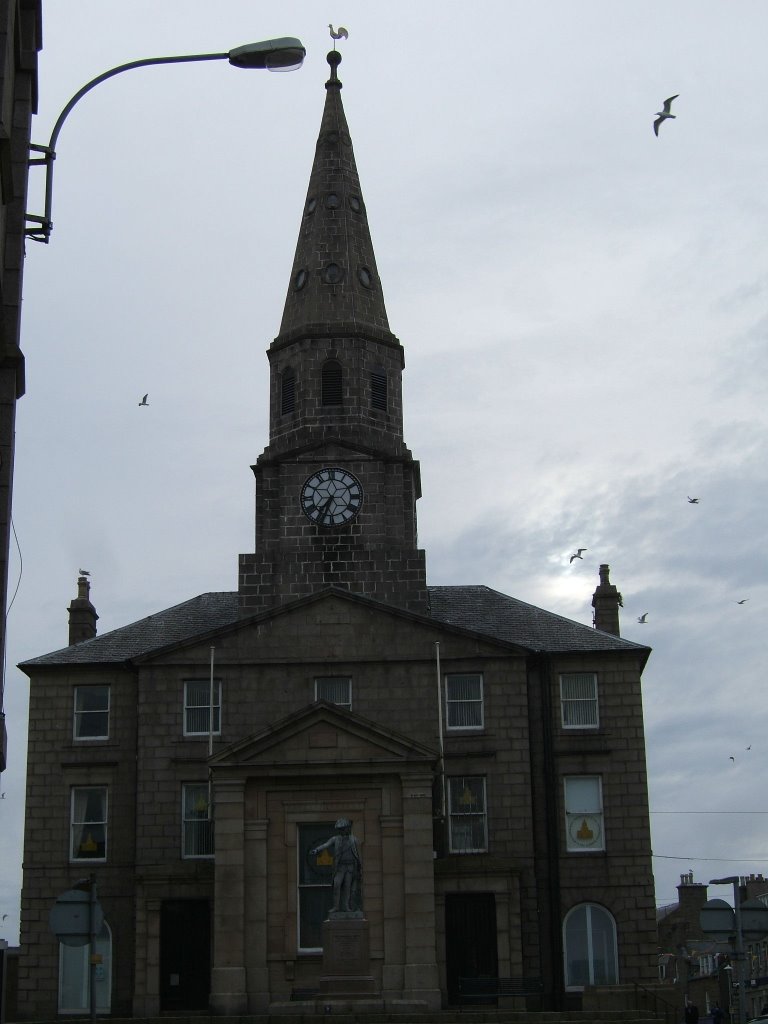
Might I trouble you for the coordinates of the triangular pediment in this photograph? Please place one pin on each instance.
(329, 447)
(330, 623)
(322, 735)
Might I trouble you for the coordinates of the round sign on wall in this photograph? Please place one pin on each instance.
(69, 918)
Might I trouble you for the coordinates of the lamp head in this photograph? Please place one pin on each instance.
(285, 54)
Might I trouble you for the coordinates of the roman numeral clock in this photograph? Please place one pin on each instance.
(331, 497)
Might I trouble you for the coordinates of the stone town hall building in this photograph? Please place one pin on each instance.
(490, 754)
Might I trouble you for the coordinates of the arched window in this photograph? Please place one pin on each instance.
(589, 947)
(287, 391)
(331, 383)
(74, 976)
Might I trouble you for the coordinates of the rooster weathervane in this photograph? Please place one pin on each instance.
(339, 33)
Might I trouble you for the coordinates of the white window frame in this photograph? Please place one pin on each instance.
(582, 711)
(78, 827)
(584, 817)
(204, 706)
(336, 681)
(592, 939)
(80, 715)
(460, 818)
(316, 832)
(189, 822)
(457, 707)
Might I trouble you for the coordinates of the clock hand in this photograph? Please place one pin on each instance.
(324, 507)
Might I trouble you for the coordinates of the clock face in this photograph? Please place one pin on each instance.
(331, 497)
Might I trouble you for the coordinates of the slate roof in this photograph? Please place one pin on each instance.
(204, 614)
(505, 618)
(475, 608)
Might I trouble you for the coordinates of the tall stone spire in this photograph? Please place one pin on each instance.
(334, 278)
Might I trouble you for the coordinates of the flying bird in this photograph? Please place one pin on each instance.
(693, 501)
(144, 400)
(743, 600)
(662, 115)
(340, 33)
(642, 618)
(577, 554)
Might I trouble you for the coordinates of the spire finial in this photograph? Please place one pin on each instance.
(334, 59)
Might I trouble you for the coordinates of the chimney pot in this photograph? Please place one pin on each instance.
(606, 601)
(82, 614)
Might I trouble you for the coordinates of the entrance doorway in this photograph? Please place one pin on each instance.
(470, 938)
(185, 954)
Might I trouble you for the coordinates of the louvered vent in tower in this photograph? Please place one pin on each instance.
(331, 383)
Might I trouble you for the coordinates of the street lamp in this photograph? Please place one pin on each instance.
(735, 881)
(284, 54)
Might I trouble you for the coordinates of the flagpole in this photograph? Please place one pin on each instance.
(210, 735)
(210, 707)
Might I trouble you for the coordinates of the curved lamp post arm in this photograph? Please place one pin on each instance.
(284, 54)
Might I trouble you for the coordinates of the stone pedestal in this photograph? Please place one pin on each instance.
(346, 956)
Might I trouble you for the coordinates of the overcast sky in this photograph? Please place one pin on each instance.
(583, 308)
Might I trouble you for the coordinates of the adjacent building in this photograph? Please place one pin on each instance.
(489, 753)
(703, 969)
(20, 41)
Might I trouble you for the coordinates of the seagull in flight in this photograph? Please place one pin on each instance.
(642, 618)
(144, 400)
(577, 554)
(340, 33)
(733, 759)
(693, 501)
(743, 600)
(662, 115)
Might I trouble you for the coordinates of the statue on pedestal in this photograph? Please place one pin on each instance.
(347, 869)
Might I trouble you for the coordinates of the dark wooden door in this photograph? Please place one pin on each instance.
(185, 954)
(470, 938)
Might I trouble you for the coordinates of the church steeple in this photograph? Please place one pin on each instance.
(334, 277)
(336, 487)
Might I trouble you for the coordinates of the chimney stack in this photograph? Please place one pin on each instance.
(606, 601)
(82, 614)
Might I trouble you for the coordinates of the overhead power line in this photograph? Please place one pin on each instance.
(724, 860)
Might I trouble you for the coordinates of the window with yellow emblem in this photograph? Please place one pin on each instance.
(468, 823)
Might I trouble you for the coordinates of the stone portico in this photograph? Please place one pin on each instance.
(312, 768)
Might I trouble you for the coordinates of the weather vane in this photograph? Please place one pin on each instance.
(339, 33)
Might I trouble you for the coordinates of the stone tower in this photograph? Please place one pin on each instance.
(336, 487)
